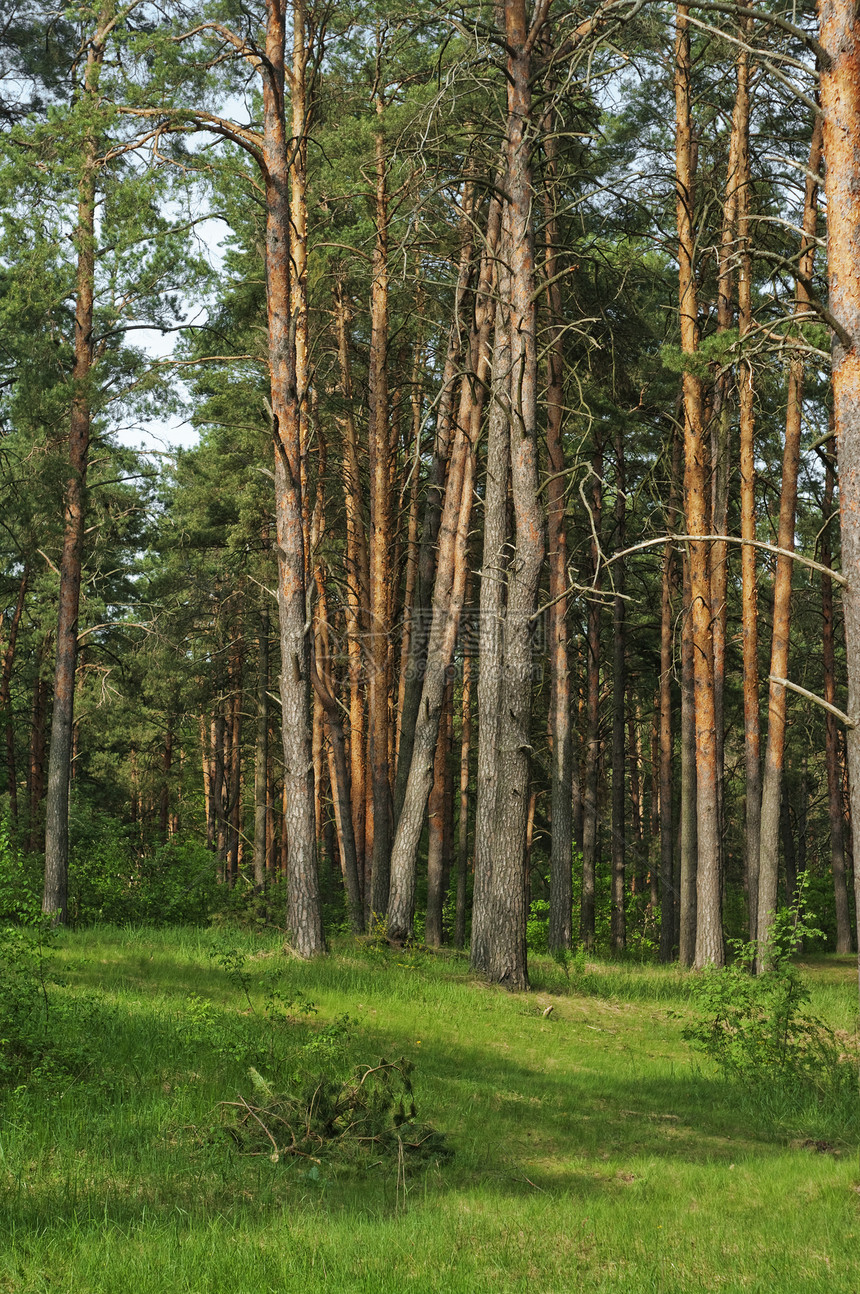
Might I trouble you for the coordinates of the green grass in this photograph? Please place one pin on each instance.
(592, 1152)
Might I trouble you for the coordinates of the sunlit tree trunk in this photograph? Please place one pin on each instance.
(840, 103)
(304, 922)
(709, 928)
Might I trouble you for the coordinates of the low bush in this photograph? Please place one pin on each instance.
(761, 1035)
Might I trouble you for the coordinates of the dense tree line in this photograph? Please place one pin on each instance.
(518, 308)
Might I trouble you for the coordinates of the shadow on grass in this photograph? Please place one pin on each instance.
(578, 1119)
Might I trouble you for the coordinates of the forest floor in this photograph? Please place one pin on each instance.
(592, 1150)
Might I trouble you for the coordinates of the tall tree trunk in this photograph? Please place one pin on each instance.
(55, 895)
(491, 621)
(304, 921)
(448, 593)
(507, 962)
(338, 764)
(709, 927)
(840, 102)
(380, 540)
(749, 608)
(831, 734)
(775, 751)
(445, 417)
(357, 591)
(721, 424)
(565, 779)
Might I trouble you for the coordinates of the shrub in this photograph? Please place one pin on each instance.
(759, 1032)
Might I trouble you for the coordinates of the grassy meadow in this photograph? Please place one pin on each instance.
(592, 1149)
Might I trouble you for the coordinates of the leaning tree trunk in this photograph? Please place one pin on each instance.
(775, 752)
(840, 103)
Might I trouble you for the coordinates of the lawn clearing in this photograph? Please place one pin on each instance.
(591, 1151)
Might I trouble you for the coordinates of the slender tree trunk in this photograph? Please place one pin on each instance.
(55, 895)
(565, 779)
(357, 593)
(749, 611)
(448, 597)
(709, 928)
(445, 418)
(338, 765)
(448, 594)
(840, 102)
(507, 963)
(721, 425)
(775, 751)
(491, 622)
(380, 541)
(688, 848)
(831, 734)
(304, 922)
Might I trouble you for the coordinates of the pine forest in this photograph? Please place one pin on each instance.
(431, 470)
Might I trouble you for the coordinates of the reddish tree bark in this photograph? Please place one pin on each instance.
(840, 103)
(709, 928)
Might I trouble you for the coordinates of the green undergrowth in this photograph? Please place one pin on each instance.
(584, 1148)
